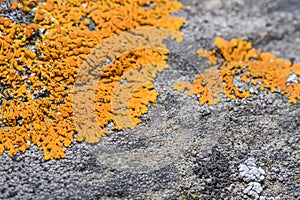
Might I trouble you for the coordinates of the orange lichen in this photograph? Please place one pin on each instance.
(39, 72)
(129, 66)
(241, 61)
(208, 85)
(14, 5)
(131, 98)
(209, 55)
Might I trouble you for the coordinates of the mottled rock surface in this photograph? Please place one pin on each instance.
(183, 150)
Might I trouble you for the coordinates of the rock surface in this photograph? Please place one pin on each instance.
(183, 150)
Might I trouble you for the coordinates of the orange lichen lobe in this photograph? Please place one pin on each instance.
(14, 5)
(209, 55)
(241, 61)
(208, 85)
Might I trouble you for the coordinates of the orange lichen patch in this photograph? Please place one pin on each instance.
(209, 55)
(13, 55)
(22, 92)
(26, 5)
(138, 103)
(13, 139)
(39, 72)
(208, 85)
(112, 96)
(49, 6)
(112, 16)
(241, 61)
(134, 92)
(37, 128)
(14, 5)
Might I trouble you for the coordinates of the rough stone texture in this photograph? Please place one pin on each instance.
(183, 150)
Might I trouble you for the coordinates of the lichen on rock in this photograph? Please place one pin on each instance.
(241, 61)
(40, 62)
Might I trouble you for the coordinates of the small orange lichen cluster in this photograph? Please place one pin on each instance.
(209, 55)
(39, 64)
(239, 59)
